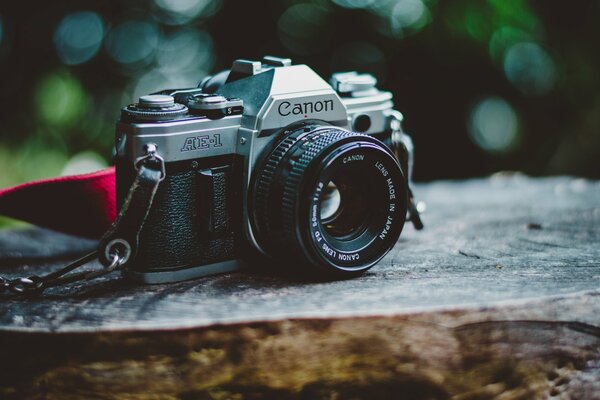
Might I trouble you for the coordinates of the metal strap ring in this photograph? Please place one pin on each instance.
(114, 248)
(116, 261)
(30, 284)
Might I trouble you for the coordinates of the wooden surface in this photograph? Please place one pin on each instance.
(497, 298)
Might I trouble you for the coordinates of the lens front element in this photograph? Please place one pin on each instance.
(330, 202)
(354, 204)
(329, 198)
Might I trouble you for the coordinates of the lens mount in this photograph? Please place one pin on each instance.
(329, 198)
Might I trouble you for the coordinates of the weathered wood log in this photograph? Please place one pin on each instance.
(498, 298)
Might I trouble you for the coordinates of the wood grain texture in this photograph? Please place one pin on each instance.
(498, 298)
(434, 355)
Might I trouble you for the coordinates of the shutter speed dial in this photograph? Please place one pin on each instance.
(214, 106)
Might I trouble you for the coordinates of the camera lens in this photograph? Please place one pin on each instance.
(327, 197)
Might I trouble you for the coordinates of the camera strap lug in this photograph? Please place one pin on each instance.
(402, 147)
(119, 244)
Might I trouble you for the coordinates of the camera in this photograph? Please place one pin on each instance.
(268, 161)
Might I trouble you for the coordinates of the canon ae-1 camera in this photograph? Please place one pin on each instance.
(268, 159)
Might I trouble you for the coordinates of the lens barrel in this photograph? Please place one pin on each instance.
(329, 198)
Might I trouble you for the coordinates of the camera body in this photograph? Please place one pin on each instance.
(252, 157)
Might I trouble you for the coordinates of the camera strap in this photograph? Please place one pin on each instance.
(118, 246)
(64, 203)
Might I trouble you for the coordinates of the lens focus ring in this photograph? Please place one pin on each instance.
(265, 182)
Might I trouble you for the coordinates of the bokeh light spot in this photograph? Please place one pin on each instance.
(178, 12)
(133, 43)
(83, 163)
(355, 3)
(18, 160)
(303, 28)
(494, 126)
(400, 18)
(78, 37)
(503, 38)
(515, 13)
(184, 49)
(60, 100)
(409, 14)
(478, 23)
(530, 68)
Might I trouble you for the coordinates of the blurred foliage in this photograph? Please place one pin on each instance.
(484, 85)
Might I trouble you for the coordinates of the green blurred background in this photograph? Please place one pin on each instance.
(484, 85)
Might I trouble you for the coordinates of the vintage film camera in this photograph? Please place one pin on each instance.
(269, 159)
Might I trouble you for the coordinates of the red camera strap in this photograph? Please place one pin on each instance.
(83, 205)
